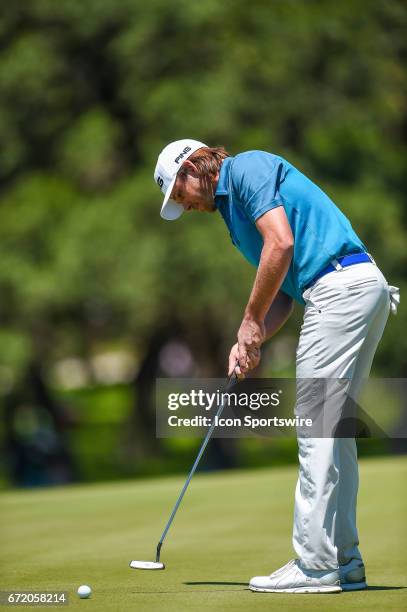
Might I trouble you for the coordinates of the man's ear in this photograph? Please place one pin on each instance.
(190, 168)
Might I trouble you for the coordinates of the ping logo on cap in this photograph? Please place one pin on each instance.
(182, 154)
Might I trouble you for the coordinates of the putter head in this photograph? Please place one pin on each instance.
(147, 565)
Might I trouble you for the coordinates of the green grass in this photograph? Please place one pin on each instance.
(230, 527)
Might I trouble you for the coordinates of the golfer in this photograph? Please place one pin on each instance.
(304, 249)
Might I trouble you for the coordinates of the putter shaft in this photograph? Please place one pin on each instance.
(231, 381)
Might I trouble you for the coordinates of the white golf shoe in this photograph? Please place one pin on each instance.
(353, 576)
(292, 578)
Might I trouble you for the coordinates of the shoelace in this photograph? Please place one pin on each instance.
(284, 568)
(291, 574)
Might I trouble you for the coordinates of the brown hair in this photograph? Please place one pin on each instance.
(208, 160)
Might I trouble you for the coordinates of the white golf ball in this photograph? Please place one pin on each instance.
(84, 591)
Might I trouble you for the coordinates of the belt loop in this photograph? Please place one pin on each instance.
(336, 265)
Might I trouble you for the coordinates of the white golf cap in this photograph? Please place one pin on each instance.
(169, 162)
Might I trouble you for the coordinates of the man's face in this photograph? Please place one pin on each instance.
(194, 192)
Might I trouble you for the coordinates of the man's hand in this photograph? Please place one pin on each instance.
(234, 366)
(234, 361)
(250, 337)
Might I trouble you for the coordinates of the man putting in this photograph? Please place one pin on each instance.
(304, 249)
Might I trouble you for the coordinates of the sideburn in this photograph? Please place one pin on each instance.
(205, 182)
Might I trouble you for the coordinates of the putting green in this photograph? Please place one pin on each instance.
(230, 527)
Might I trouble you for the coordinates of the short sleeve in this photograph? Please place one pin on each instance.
(255, 177)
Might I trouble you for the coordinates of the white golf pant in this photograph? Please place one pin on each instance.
(345, 315)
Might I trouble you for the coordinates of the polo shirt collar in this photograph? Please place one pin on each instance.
(222, 188)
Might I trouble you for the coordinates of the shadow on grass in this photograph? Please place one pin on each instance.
(220, 583)
(198, 591)
(244, 584)
(384, 588)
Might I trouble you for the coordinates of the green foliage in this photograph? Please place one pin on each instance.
(90, 150)
(91, 91)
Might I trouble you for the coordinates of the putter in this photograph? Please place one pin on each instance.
(157, 565)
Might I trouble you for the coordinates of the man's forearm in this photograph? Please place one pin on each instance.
(274, 263)
(276, 255)
(278, 313)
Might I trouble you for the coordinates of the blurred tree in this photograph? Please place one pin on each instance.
(91, 91)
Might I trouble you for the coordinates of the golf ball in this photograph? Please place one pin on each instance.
(84, 591)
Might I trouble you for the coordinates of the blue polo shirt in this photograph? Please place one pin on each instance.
(254, 182)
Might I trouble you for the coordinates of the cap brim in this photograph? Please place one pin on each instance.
(170, 210)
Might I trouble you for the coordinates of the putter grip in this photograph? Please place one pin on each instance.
(232, 380)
